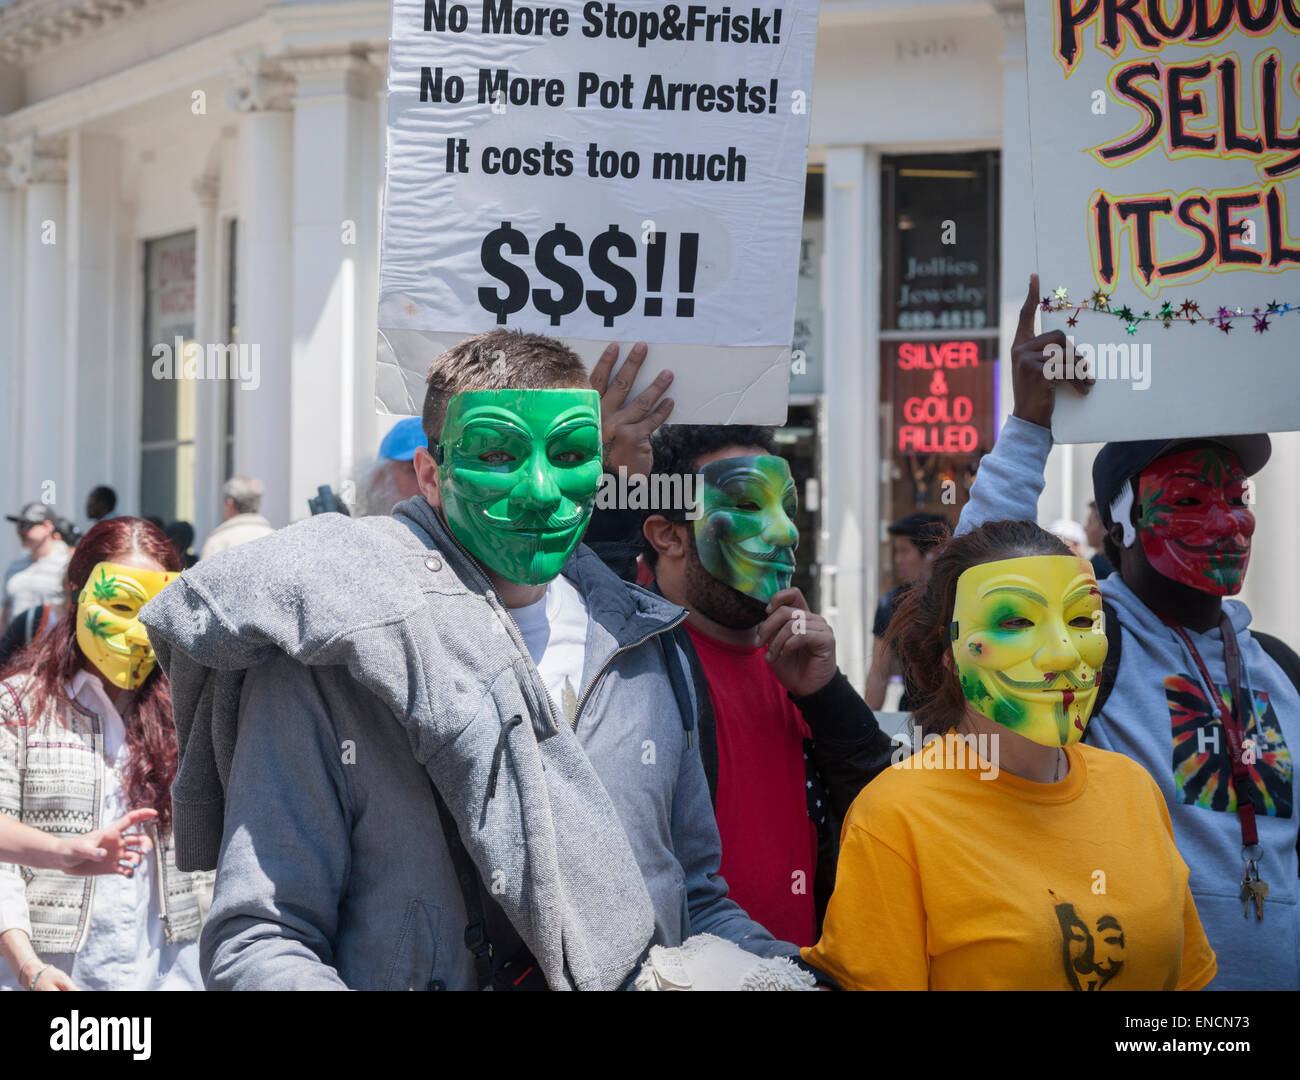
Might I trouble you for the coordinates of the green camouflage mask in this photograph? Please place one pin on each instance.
(745, 533)
(519, 471)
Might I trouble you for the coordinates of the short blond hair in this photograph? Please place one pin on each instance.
(497, 360)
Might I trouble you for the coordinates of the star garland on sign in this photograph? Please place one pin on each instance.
(1187, 312)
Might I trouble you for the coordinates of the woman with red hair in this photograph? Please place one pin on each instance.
(86, 733)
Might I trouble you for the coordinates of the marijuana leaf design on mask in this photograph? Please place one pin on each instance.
(96, 626)
(105, 587)
(1224, 569)
(1154, 512)
(974, 690)
(1213, 467)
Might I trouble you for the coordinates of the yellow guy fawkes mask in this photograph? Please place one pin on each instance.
(109, 630)
(1028, 643)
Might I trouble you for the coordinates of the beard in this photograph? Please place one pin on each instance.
(716, 599)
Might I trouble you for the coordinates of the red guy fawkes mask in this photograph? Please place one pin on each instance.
(1193, 521)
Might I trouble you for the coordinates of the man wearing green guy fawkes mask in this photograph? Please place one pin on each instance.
(787, 743)
(518, 471)
(745, 533)
(466, 645)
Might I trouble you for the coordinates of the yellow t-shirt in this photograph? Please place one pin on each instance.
(947, 881)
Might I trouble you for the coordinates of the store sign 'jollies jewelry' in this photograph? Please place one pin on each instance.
(519, 471)
(109, 630)
(1028, 643)
(745, 532)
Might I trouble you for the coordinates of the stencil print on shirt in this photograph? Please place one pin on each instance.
(1092, 950)
(1202, 769)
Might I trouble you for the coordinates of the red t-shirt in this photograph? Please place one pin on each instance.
(769, 845)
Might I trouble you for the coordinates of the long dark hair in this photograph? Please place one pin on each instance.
(54, 657)
(919, 630)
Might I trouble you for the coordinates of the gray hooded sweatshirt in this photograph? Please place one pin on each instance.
(323, 676)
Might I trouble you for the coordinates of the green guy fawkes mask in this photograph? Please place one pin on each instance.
(745, 533)
(519, 470)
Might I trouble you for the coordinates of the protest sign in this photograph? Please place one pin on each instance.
(600, 171)
(1165, 155)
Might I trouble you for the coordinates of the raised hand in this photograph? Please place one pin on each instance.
(625, 426)
(1033, 390)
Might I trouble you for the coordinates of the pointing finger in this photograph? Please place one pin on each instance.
(1028, 312)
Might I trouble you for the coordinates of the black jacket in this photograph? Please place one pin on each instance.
(847, 748)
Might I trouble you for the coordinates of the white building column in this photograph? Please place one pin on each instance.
(11, 294)
(90, 363)
(265, 268)
(40, 167)
(852, 350)
(1273, 577)
(335, 248)
(209, 432)
(125, 398)
(1017, 252)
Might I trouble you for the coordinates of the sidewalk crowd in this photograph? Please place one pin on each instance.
(487, 734)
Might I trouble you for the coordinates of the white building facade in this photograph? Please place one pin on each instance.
(180, 177)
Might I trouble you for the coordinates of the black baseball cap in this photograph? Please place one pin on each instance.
(68, 529)
(1118, 462)
(33, 514)
(925, 530)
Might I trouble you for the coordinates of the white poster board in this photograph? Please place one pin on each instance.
(599, 171)
(1165, 155)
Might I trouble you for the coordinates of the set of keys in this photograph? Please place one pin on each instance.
(1253, 891)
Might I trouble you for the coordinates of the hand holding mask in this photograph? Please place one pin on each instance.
(745, 533)
(1028, 644)
(518, 472)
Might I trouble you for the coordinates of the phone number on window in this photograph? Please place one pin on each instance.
(941, 320)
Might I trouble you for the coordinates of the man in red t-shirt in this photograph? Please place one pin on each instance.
(794, 742)
(787, 743)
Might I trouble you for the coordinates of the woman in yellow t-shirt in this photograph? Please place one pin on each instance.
(1006, 854)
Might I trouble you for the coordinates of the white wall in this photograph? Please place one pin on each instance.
(871, 85)
(894, 84)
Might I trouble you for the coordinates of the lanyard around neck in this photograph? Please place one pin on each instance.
(1231, 716)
